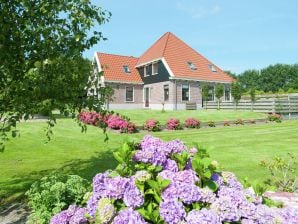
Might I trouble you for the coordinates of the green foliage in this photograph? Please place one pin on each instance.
(236, 92)
(205, 93)
(283, 173)
(211, 123)
(239, 121)
(219, 92)
(54, 193)
(41, 64)
(280, 78)
(274, 118)
(252, 94)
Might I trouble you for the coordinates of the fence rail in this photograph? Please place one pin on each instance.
(274, 105)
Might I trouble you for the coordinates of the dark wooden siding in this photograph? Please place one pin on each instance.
(163, 74)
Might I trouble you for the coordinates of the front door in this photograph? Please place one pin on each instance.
(147, 94)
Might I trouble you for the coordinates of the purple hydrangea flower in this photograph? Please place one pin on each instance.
(115, 187)
(189, 193)
(172, 212)
(79, 216)
(289, 215)
(236, 196)
(203, 216)
(167, 175)
(98, 182)
(186, 176)
(217, 178)
(141, 176)
(175, 146)
(92, 203)
(171, 165)
(132, 196)
(128, 216)
(207, 196)
(247, 209)
(226, 209)
(73, 215)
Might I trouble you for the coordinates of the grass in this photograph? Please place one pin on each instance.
(238, 149)
(140, 116)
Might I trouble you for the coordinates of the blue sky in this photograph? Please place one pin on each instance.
(235, 35)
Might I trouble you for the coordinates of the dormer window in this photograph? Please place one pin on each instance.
(126, 69)
(147, 70)
(191, 65)
(212, 68)
(154, 68)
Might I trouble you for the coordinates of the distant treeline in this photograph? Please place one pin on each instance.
(278, 78)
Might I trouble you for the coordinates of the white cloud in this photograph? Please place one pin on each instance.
(198, 12)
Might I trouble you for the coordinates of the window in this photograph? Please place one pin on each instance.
(191, 65)
(146, 71)
(155, 69)
(166, 92)
(212, 68)
(227, 93)
(126, 69)
(185, 92)
(129, 94)
(211, 93)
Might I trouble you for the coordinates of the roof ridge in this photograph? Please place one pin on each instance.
(117, 55)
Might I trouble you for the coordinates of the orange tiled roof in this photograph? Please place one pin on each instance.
(112, 66)
(177, 54)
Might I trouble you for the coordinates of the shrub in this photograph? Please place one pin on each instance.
(211, 123)
(226, 123)
(239, 121)
(192, 123)
(274, 117)
(128, 127)
(92, 118)
(283, 173)
(162, 182)
(54, 193)
(115, 122)
(173, 124)
(152, 125)
(252, 121)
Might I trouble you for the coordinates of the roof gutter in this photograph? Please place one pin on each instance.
(123, 82)
(199, 80)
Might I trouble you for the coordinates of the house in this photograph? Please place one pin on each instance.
(168, 75)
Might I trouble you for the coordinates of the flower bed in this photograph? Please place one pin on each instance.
(165, 182)
(152, 125)
(174, 124)
(192, 123)
(115, 122)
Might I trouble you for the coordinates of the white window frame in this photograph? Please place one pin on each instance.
(213, 94)
(192, 66)
(133, 94)
(229, 94)
(212, 68)
(128, 69)
(168, 93)
(154, 73)
(188, 93)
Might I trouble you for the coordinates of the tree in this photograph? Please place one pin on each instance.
(41, 64)
(205, 93)
(219, 92)
(236, 92)
(252, 94)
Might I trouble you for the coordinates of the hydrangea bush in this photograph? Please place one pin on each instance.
(192, 123)
(275, 117)
(173, 124)
(165, 182)
(152, 125)
(110, 120)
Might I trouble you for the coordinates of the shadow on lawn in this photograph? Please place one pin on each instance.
(87, 168)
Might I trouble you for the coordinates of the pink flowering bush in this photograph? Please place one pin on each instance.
(112, 121)
(167, 183)
(192, 123)
(152, 125)
(128, 127)
(211, 124)
(274, 117)
(92, 118)
(226, 123)
(173, 124)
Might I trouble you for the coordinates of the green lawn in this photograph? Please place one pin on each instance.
(140, 116)
(238, 149)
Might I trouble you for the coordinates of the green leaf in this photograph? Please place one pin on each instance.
(211, 185)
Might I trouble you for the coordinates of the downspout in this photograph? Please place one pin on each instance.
(176, 97)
